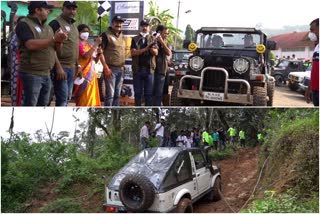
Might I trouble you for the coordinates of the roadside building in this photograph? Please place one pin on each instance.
(296, 43)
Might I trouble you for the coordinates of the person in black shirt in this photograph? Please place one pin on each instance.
(143, 51)
(161, 64)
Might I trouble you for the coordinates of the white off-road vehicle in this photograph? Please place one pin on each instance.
(164, 180)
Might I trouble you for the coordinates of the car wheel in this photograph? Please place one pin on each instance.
(279, 80)
(215, 193)
(175, 100)
(293, 87)
(259, 96)
(184, 206)
(136, 192)
(270, 92)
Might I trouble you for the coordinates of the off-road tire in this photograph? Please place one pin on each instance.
(102, 87)
(293, 87)
(270, 92)
(184, 206)
(259, 96)
(215, 193)
(279, 80)
(136, 192)
(175, 100)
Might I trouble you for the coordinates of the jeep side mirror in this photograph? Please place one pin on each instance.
(271, 45)
(186, 43)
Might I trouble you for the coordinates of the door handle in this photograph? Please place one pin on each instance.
(198, 174)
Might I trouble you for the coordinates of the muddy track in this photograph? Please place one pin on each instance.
(239, 175)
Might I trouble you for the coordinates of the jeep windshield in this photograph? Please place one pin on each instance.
(209, 40)
(152, 163)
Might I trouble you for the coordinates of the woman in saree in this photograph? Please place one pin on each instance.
(86, 89)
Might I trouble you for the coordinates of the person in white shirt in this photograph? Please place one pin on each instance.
(144, 135)
(159, 129)
(181, 140)
(189, 141)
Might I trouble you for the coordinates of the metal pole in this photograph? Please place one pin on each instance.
(177, 25)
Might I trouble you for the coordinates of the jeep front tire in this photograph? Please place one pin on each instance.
(136, 192)
(215, 193)
(175, 100)
(259, 96)
(184, 206)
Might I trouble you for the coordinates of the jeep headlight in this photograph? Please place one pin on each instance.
(176, 67)
(241, 65)
(196, 63)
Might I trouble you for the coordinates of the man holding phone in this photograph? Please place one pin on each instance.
(143, 52)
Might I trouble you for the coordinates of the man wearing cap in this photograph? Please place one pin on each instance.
(37, 44)
(143, 52)
(68, 55)
(113, 45)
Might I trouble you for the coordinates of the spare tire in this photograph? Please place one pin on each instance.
(137, 193)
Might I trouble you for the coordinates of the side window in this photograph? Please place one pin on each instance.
(199, 159)
(293, 65)
(180, 171)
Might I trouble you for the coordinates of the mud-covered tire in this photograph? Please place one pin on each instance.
(259, 96)
(279, 80)
(293, 87)
(270, 92)
(102, 87)
(136, 192)
(184, 206)
(175, 100)
(215, 193)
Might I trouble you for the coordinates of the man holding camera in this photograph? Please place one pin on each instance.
(161, 64)
(143, 52)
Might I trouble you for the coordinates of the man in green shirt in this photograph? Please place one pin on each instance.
(242, 136)
(205, 137)
(260, 138)
(232, 134)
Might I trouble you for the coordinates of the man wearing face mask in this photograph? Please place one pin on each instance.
(37, 44)
(143, 52)
(113, 46)
(314, 82)
(68, 55)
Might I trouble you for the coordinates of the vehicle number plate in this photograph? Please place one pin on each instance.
(213, 96)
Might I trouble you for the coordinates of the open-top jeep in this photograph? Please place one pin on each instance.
(162, 180)
(229, 65)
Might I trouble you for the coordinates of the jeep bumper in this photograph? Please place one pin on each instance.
(200, 94)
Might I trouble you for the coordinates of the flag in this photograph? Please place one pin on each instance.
(103, 8)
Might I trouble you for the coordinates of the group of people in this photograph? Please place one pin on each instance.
(60, 53)
(167, 137)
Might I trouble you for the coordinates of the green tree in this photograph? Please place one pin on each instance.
(166, 19)
(87, 14)
(190, 33)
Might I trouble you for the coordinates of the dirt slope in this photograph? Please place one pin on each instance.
(239, 175)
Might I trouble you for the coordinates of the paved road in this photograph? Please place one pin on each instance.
(284, 97)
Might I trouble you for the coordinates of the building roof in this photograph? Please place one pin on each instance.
(292, 40)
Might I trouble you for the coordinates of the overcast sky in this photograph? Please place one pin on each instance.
(30, 119)
(241, 13)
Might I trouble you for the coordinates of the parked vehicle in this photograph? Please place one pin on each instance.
(281, 71)
(178, 64)
(305, 83)
(295, 78)
(227, 66)
(162, 180)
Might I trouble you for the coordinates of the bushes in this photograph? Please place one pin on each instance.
(285, 203)
(294, 152)
(220, 155)
(64, 205)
